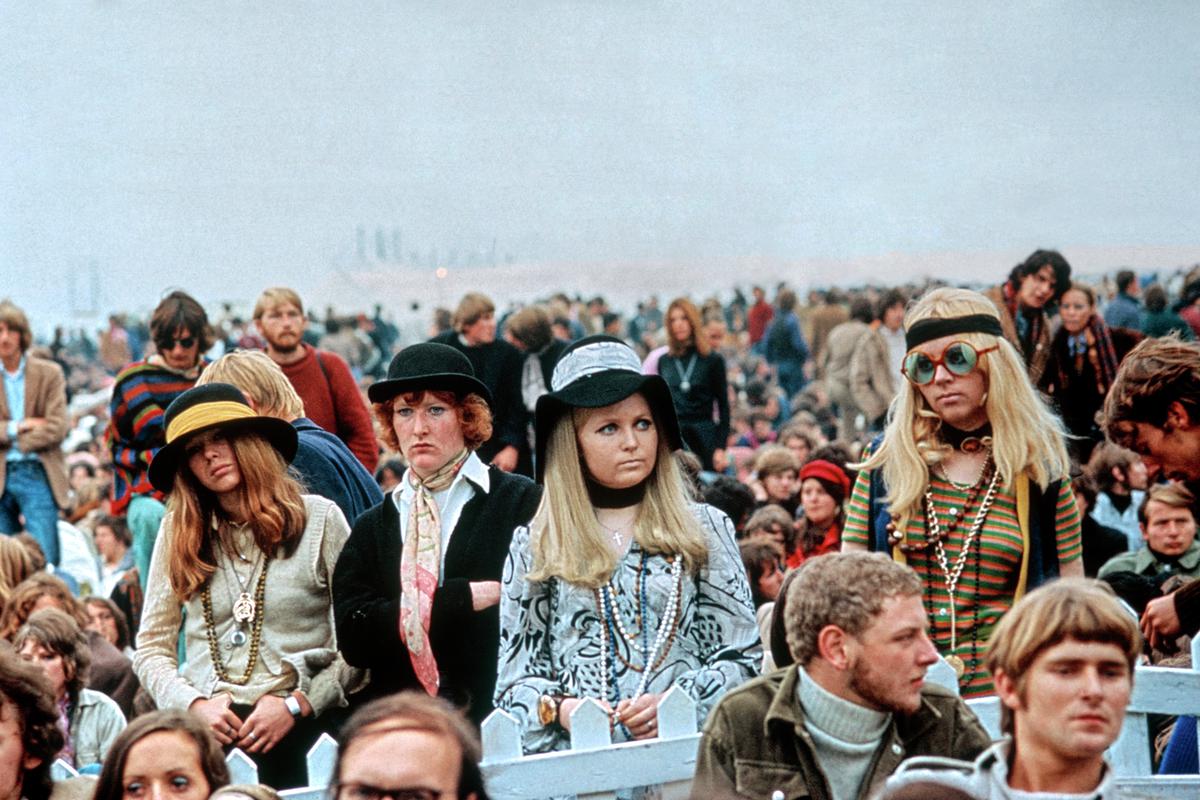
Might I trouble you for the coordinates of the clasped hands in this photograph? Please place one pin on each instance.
(639, 716)
(266, 725)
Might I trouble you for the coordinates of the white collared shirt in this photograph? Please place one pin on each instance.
(450, 501)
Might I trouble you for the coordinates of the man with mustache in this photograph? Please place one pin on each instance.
(855, 704)
(1063, 661)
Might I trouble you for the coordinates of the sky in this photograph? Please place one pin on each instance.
(341, 147)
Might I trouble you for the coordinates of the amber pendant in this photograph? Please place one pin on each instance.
(958, 665)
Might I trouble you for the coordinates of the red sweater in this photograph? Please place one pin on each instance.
(757, 319)
(332, 400)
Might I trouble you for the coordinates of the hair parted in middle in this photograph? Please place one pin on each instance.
(1027, 436)
(111, 785)
(696, 340)
(59, 633)
(843, 589)
(271, 499)
(567, 541)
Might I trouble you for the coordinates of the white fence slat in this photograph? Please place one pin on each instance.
(306, 793)
(943, 675)
(590, 726)
(61, 771)
(321, 759)
(241, 768)
(988, 711)
(677, 790)
(645, 762)
(1166, 690)
(501, 737)
(676, 714)
(1130, 754)
(1160, 787)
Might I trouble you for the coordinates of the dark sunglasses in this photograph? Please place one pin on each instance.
(958, 357)
(170, 342)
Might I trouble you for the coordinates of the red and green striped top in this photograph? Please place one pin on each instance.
(989, 579)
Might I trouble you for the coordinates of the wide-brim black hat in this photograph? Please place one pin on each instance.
(202, 408)
(429, 367)
(594, 372)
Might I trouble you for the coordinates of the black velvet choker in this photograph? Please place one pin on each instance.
(967, 441)
(607, 497)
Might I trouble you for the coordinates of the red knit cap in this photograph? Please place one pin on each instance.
(827, 471)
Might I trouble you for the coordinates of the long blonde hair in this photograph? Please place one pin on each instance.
(270, 499)
(1027, 436)
(566, 539)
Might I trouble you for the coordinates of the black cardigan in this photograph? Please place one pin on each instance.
(366, 595)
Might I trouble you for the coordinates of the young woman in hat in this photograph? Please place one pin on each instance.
(251, 560)
(620, 587)
(823, 489)
(416, 590)
(968, 485)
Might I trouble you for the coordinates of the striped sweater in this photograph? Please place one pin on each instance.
(989, 578)
(135, 430)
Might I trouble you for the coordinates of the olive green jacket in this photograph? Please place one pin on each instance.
(755, 742)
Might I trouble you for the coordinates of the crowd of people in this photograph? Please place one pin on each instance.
(227, 533)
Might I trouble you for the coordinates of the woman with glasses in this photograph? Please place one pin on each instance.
(968, 483)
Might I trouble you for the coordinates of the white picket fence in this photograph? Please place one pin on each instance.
(596, 769)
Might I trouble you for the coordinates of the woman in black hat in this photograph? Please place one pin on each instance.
(251, 560)
(416, 589)
(621, 587)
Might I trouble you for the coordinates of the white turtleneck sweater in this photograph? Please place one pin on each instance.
(845, 736)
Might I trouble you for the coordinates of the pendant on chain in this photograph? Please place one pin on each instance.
(243, 608)
(957, 665)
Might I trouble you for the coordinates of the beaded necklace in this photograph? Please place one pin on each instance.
(652, 654)
(210, 630)
(953, 574)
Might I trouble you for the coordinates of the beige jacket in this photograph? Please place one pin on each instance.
(872, 383)
(45, 397)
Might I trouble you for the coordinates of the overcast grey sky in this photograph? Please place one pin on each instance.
(225, 146)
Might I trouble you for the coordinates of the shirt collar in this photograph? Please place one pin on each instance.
(20, 370)
(472, 470)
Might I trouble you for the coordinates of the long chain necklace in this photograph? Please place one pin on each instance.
(933, 534)
(653, 654)
(210, 630)
(244, 605)
(952, 574)
(685, 377)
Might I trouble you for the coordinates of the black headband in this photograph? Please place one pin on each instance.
(935, 328)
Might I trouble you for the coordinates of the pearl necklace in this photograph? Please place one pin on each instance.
(666, 630)
(952, 574)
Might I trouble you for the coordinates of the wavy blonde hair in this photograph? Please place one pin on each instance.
(1028, 438)
(566, 539)
(271, 502)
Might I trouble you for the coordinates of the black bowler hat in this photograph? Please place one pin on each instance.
(594, 372)
(429, 367)
(202, 408)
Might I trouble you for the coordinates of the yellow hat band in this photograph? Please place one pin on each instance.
(206, 414)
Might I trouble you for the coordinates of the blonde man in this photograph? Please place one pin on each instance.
(1064, 662)
(324, 463)
(1169, 536)
(499, 366)
(322, 379)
